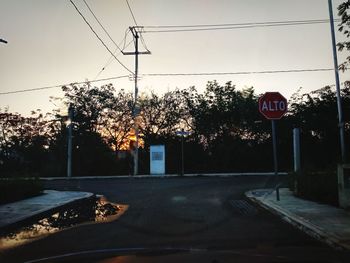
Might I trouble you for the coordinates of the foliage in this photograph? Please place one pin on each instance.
(320, 187)
(116, 121)
(161, 116)
(316, 114)
(344, 27)
(227, 133)
(224, 122)
(102, 122)
(24, 141)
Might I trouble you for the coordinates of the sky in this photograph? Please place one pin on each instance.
(50, 44)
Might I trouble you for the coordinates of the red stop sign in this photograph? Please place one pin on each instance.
(272, 105)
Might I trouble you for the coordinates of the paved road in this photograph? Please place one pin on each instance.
(179, 212)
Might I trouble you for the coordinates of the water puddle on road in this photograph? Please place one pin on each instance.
(94, 211)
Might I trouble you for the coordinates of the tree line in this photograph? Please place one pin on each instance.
(227, 132)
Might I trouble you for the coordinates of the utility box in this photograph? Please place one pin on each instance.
(157, 159)
(344, 185)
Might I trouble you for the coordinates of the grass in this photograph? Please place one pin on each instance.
(14, 189)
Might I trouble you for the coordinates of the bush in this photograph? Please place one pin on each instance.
(14, 189)
(318, 187)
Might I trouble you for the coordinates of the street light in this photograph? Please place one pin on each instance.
(3, 41)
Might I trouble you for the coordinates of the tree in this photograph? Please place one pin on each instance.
(161, 115)
(344, 27)
(25, 141)
(223, 111)
(223, 120)
(99, 119)
(116, 121)
(316, 115)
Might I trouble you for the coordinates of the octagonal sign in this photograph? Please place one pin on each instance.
(273, 105)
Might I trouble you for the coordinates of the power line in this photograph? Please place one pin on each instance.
(76, 8)
(233, 27)
(237, 73)
(240, 24)
(58, 86)
(111, 59)
(132, 14)
(98, 21)
(177, 74)
(133, 17)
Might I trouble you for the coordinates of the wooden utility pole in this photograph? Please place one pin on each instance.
(135, 33)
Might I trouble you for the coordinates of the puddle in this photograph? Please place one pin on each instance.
(95, 211)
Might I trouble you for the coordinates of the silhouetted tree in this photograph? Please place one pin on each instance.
(317, 116)
(344, 26)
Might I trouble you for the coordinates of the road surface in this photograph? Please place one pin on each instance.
(197, 212)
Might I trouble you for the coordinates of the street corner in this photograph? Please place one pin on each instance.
(327, 224)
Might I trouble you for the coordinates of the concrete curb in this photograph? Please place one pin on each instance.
(298, 222)
(17, 219)
(163, 176)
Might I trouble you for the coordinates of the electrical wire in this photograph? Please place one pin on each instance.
(241, 24)
(236, 73)
(76, 8)
(133, 17)
(178, 74)
(233, 27)
(58, 86)
(132, 14)
(110, 60)
(104, 29)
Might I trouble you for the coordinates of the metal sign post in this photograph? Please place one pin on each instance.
(272, 105)
(275, 162)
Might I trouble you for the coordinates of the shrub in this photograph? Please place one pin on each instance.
(319, 187)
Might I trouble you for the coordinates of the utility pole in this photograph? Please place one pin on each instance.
(337, 84)
(135, 33)
(70, 129)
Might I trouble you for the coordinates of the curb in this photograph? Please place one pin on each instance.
(299, 222)
(41, 213)
(163, 176)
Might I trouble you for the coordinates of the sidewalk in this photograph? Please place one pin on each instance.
(323, 222)
(37, 207)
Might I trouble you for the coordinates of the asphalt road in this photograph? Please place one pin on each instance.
(200, 212)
